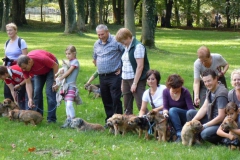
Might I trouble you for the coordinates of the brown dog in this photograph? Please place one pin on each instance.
(228, 124)
(110, 125)
(189, 130)
(27, 116)
(3, 110)
(142, 125)
(160, 127)
(94, 89)
(82, 125)
(120, 124)
(8, 103)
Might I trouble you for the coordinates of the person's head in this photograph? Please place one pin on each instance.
(71, 52)
(25, 63)
(175, 83)
(11, 29)
(204, 55)
(3, 72)
(235, 79)
(124, 36)
(153, 77)
(102, 32)
(210, 79)
(232, 110)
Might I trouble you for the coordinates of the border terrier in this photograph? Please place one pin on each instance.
(3, 110)
(189, 130)
(10, 104)
(95, 89)
(82, 125)
(26, 116)
(142, 125)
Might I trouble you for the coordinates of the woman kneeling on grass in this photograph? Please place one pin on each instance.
(154, 95)
(176, 102)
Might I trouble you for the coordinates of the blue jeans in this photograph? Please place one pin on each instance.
(39, 81)
(178, 118)
(208, 134)
(110, 86)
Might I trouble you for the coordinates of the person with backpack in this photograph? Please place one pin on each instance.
(14, 47)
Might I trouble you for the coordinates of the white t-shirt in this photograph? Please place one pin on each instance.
(157, 97)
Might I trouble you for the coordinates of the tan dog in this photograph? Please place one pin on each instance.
(94, 89)
(8, 103)
(142, 125)
(160, 127)
(3, 110)
(228, 124)
(120, 124)
(110, 125)
(26, 116)
(189, 130)
(82, 125)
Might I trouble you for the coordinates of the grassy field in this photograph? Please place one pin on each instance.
(175, 53)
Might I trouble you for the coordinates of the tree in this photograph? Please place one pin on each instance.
(93, 13)
(18, 12)
(189, 14)
(5, 14)
(169, 4)
(70, 16)
(148, 23)
(129, 20)
(117, 8)
(81, 15)
(101, 8)
(62, 10)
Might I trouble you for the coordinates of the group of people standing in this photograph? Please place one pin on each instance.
(173, 100)
(25, 75)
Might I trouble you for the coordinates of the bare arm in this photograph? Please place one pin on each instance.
(29, 90)
(139, 69)
(217, 120)
(11, 87)
(225, 68)
(202, 111)
(24, 51)
(55, 69)
(196, 89)
(67, 73)
(221, 133)
(143, 109)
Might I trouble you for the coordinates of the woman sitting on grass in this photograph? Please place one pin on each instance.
(176, 102)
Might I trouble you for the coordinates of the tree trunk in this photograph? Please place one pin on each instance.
(70, 16)
(117, 11)
(18, 12)
(148, 23)
(5, 14)
(140, 13)
(169, 4)
(93, 13)
(176, 7)
(87, 12)
(62, 10)
(81, 15)
(228, 13)
(41, 11)
(129, 20)
(101, 8)
(189, 16)
(198, 13)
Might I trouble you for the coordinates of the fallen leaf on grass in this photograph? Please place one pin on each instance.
(13, 146)
(31, 149)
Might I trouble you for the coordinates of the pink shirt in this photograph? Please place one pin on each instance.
(16, 75)
(43, 62)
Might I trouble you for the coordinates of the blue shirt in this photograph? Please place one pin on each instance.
(108, 56)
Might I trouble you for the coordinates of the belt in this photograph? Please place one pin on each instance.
(107, 74)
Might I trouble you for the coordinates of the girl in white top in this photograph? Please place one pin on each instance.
(156, 92)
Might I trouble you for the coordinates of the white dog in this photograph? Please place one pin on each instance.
(60, 72)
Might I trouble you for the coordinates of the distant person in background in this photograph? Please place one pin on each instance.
(207, 60)
(216, 20)
(14, 47)
(135, 65)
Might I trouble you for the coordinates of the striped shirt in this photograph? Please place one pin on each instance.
(127, 69)
(108, 56)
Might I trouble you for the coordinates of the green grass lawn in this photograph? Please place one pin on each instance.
(175, 53)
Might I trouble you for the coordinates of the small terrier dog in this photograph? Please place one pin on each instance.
(189, 130)
(142, 125)
(60, 72)
(95, 89)
(83, 125)
(8, 103)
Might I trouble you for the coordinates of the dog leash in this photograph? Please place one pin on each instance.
(150, 130)
(125, 111)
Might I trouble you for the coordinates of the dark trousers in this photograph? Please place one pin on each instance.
(209, 134)
(110, 86)
(7, 92)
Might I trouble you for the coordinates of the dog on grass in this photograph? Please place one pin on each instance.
(227, 125)
(3, 110)
(109, 124)
(95, 89)
(189, 130)
(160, 125)
(83, 125)
(142, 124)
(120, 124)
(8, 103)
(26, 116)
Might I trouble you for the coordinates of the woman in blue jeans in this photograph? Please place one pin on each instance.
(176, 102)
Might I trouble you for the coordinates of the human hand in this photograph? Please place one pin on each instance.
(54, 87)
(16, 87)
(165, 115)
(118, 71)
(30, 103)
(231, 137)
(133, 88)
(196, 101)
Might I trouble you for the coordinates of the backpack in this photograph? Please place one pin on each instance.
(19, 42)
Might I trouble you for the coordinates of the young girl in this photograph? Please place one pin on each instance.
(70, 79)
(232, 112)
